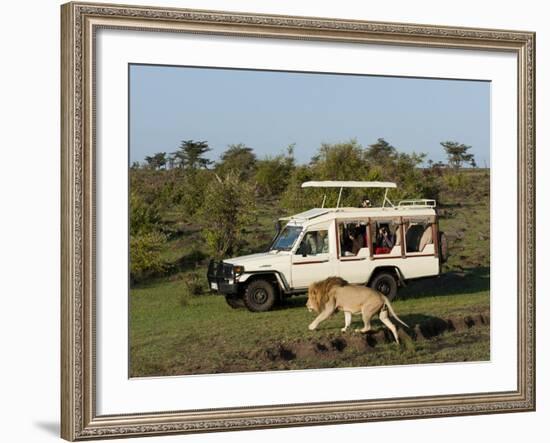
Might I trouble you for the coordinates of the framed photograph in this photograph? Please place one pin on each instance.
(277, 221)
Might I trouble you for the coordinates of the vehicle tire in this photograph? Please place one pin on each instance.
(386, 284)
(259, 296)
(443, 248)
(234, 301)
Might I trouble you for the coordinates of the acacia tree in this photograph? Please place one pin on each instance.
(171, 160)
(190, 155)
(457, 154)
(156, 161)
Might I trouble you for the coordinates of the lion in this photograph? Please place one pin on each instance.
(335, 293)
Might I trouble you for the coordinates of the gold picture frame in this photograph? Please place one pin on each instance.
(80, 21)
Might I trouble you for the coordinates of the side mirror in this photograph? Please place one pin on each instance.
(302, 250)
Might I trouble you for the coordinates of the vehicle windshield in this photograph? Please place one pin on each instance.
(286, 238)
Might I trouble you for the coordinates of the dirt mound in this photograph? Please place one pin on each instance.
(331, 347)
(281, 352)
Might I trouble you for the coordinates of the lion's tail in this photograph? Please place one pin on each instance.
(392, 312)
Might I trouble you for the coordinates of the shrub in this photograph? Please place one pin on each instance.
(456, 181)
(237, 159)
(144, 217)
(193, 283)
(273, 173)
(227, 210)
(190, 188)
(296, 199)
(145, 257)
(341, 161)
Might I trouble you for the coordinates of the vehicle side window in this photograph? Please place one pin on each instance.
(353, 237)
(387, 235)
(419, 234)
(314, 242)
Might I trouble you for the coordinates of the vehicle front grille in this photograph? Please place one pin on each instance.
(219, 270)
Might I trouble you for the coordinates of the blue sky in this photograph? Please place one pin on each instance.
(268, 111)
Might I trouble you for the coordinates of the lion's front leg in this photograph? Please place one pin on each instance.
(327, 312)
(347, 317)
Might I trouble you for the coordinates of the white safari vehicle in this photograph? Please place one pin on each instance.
(381, 247)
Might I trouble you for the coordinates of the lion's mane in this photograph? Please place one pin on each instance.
(319, 293)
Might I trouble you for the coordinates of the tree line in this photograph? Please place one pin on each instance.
(191, 155)
(222, 196)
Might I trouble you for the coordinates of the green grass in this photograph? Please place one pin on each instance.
(207, 336)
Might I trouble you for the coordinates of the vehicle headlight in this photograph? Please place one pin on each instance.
(238, 270)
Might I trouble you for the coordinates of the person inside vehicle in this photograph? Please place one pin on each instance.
(384, 241)
(309, 244)
(365, 202)
(322, 242)
(345, 240)
(357, 240)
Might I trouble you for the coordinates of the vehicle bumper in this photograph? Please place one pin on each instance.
(221, 278)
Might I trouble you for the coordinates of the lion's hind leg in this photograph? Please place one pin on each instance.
(384, 318)
(366, 314)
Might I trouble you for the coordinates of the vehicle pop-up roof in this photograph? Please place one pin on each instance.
(317, 212)
(350, 184)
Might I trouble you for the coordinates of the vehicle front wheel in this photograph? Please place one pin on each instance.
(259, 296)
(386, 284)
(234, 301)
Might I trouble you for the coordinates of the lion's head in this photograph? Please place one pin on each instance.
(320, 292)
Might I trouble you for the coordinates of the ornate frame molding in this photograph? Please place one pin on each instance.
(79, 23)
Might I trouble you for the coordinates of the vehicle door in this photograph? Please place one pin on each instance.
(421, 247)
(311, 258)
(353, 252)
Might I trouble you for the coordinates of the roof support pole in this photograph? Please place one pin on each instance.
(386, 199)
(339, 197)
(324, 200)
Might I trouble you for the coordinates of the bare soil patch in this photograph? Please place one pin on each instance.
(332, 347)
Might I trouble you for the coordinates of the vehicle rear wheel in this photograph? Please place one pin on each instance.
(234, 301)
(386, 284)
(259, 296)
